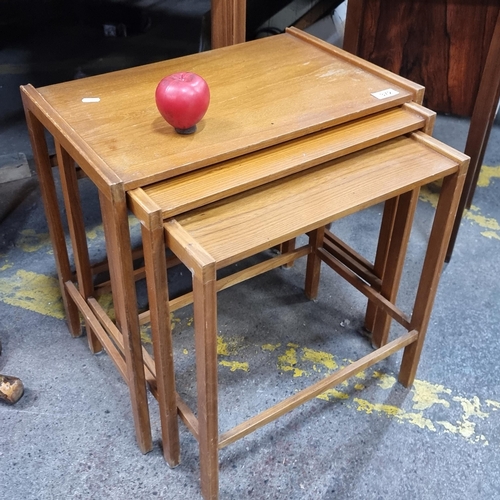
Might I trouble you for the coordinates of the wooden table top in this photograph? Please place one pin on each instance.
(304, 201)
(189, 191)
(262, 93)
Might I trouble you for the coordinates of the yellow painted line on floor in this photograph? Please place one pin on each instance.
(34, 292)
(492, 235)
(432, 407)
(464, 413)
(490, 224)
(458, 414)
(6, 265)
(146, 335)
(98, 231)
(270, 347)
(95, 232)
(38, 292)
(475, 215)
(487, 174)
(222, 347)
(30, 241)
(333, 393)
(234, 365)
(228, 348)
(319, 359)
(287, 362)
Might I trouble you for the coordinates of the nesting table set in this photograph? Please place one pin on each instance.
(298, 134)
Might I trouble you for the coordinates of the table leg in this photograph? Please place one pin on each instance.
(394, 262)
(314, 263)
(384, 239)
(287, 246)
(74, 214)
(205, 321)
(118, 247)
(431, 271)
(156, 278)
(53, 216)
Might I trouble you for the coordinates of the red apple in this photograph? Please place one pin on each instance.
(182, 99)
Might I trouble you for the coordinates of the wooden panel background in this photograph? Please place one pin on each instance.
(441, 44)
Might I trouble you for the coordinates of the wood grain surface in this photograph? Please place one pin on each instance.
(441, 44)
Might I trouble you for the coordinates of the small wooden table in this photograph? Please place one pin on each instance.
(217, 235)
(263, 93)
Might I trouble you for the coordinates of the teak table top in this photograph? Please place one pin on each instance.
(339, 187)
(262, 93)
(198, 188)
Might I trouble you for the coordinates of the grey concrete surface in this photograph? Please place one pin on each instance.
(71, 436)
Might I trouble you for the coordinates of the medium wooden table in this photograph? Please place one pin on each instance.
(286, 87)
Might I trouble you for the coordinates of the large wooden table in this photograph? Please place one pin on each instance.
(295, 103)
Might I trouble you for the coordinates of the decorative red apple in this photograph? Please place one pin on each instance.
(182, 99)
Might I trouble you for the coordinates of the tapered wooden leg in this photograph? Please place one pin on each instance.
(76, 225)
(431, 271)
(394, 263)
(53, 215)
(115, 221)
(156, 278)
(314, 263)
(384, 240)
(288, 246)
(205, 320)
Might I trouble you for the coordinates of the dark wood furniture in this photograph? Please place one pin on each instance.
(452, 47)
(228, 20)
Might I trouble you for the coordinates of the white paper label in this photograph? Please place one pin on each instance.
(91, 99)
(384, 94)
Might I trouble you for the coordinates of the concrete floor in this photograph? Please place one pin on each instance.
(71, 435)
